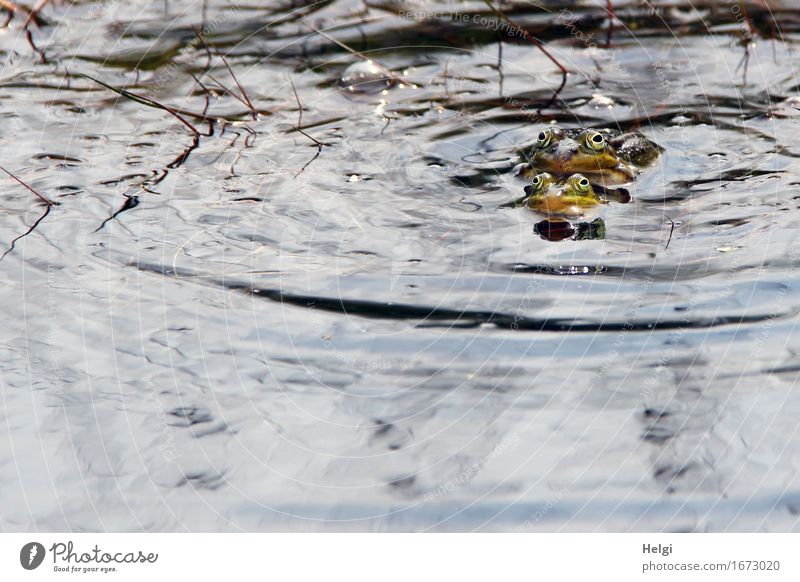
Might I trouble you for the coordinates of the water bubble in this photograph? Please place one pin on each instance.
(599, 101)
(366, 77)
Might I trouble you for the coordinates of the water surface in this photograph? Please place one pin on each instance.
(265, 333)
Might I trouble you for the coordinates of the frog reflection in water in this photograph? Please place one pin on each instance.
(605, 161)
(558, 229)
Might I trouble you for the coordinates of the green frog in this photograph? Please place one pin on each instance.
(605, 160)
(570, 198)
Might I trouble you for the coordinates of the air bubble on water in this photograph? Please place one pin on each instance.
(599, 101)
(366, 77)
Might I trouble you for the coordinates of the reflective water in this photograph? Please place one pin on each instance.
(341, 328)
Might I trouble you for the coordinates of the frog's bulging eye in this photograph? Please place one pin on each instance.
(544, 139)
(540, 183)
(594, 141)
(581, 183)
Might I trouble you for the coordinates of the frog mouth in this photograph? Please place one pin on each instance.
(564, 159)
(622, 173)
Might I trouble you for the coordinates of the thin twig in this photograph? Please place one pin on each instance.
(527, 36)
(245, 100)
(747, 39)
(239, 85)
(9, 6)
(671, 230)
(152, 103)
(747, 19)
(12, 8)
(299, 105)
(178, 162)
(148, 102)
(48, 205)
(30, 189)
(361, 56)
(37, 50)
(300, 116)
(33, 15)
(299, 123)
(130, 202)
(229, 92)
(611, 17)
(206, 93)
(745, 60)
(13, 244)
(556, 93)
(251, 138)
(500, 75)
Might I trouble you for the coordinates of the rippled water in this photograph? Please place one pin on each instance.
(264, 333)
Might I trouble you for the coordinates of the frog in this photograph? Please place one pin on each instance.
(570, 198)
(607, 161)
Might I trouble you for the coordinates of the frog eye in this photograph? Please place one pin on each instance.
(581, 183)
(594, 141)
(544, 139)
(539, 184)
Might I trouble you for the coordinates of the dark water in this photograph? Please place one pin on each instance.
(256, 337)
